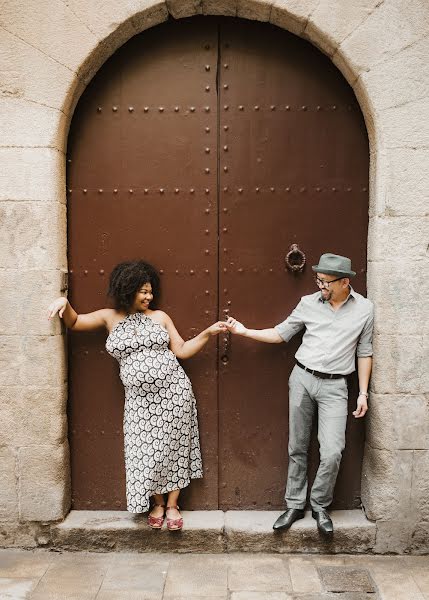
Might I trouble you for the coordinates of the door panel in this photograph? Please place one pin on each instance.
(291, 171)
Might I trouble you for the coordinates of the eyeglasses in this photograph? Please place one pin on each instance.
(325, 284)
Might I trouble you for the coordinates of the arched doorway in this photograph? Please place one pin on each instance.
(208, 146)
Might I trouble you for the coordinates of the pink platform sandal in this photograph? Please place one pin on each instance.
(156, 522)
(174, 524)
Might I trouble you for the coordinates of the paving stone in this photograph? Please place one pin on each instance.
(346, 579)
(16, 589)
(268, 573)
(24, 564)
(338, 596)
(143, 573)
(304, 575)
(196, 575)
(126, 594)
(261, 596)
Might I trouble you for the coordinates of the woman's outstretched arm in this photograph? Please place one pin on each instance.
(86, 322)
(187, 349)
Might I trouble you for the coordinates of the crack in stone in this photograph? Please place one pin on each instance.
(38, 49)
(80, 20)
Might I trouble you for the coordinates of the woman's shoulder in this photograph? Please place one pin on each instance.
(159, 316)
(112, 317)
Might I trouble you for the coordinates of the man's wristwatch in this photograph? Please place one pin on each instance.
(364, 394)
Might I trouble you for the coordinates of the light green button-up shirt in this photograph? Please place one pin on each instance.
(332, 338)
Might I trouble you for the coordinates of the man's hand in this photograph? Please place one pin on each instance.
(362, 407)
(235, 326)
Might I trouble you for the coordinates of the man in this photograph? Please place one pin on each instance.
(338, 324)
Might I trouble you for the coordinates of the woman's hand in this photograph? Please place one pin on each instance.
(57, 306)
(216, 328)
(235, 326)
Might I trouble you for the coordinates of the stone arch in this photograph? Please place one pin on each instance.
(381, 49)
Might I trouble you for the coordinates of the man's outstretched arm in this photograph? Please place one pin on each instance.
(270, 336)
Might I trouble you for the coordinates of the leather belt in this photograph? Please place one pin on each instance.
(319, 374)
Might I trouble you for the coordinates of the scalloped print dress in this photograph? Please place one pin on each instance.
(161, 439)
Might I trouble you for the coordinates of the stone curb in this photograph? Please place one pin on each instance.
(209, 532)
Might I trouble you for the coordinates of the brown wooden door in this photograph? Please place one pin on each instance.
(208, 147)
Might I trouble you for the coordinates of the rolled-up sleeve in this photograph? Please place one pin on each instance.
(294, 323)
(364, 346)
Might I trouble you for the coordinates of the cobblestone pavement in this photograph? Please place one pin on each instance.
(43, 575)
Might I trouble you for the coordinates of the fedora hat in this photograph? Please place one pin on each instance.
(333, 264)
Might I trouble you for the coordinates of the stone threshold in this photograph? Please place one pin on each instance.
(210, 531)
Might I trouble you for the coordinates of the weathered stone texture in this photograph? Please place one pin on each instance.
(382, 81)
(32, 415)
(393, 536)
(399, 294)
(405, 125)
(58, 33)
(179, 9)
(385, 32)
(32, 360)
(32, 235)
(44, 482)
(331, 22)
(399, 364)
(18, 64)
(32, 174)
(386, 483)
(398, 422)
(420, 487)
(220, 7)
(398, 238)
(37, 289)
(292, 15)
(24, 123)
(258, 10)
(103, 17)
(8, 487)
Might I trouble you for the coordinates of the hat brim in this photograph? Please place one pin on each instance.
(320, 269)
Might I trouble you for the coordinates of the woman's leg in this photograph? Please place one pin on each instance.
(172, 500)
(158, 511)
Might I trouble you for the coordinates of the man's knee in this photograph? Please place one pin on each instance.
(331, 459)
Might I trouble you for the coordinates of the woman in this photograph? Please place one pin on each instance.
(162, 451)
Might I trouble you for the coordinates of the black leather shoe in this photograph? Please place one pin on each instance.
(324, 523)
(287, 518)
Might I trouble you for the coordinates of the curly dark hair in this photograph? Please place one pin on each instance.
(127, 278)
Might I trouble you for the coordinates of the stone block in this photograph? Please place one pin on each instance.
(393, 537)
(386, 483)
(38, 361)
(383, 83)
(304, 575)
(400, 296)
(9, 484)
(420, 488)
(32, 174)
(26, 72)
(265, 574)
(404, 125)
(25, 123)
(399, 364)
(32, 235)
(419, 542)
(292, 15)
(331, 22)
(398, 239)
(24, 298)
(59, 33)
(120, 530)
(256, 10)
(104, 17)
(18, 564)
(33, 416)
(44, 482)
(398, 422)
(179, 9)
(387, 30)
(192, 576)
(150, 13)
(220, 7)
(252, 531)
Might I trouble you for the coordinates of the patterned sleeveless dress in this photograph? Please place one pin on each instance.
(162, 449)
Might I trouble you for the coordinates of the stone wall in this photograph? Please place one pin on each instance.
(49, 50)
